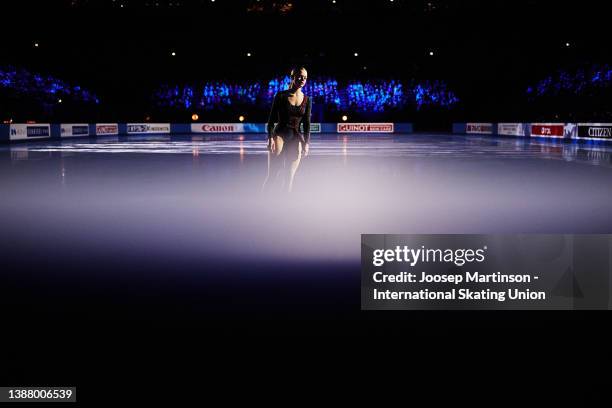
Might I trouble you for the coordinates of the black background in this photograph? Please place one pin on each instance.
(320, 340)
(487, 51)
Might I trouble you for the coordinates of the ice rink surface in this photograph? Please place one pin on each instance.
(176, 230)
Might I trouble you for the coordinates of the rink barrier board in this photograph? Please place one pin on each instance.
(136, 129)
(572, 131)
(4, 133)
(540, 130)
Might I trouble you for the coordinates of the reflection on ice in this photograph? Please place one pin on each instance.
(202, 197)
(415, 145)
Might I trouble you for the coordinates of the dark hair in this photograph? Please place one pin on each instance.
(296, 69)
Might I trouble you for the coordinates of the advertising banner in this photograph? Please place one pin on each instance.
(479, 128)
(511, 129)
(548, 129)
(595, 131)
(570, 130)
(314, 128)
(365, 127)
(227, 128)
(72, 129)
(107, 129)
(34, 131)
(147, 128)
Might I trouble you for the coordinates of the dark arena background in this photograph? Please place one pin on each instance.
(137, 244)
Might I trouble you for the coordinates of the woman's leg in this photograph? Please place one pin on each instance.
(275, 162)
(294, 155)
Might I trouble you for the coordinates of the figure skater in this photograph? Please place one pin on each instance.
(286, 144)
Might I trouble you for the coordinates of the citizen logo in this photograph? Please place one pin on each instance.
(600, 132)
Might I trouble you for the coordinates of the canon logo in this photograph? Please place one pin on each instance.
(219, 128)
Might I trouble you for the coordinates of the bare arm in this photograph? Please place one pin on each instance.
(306, 121)
(273, 116)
